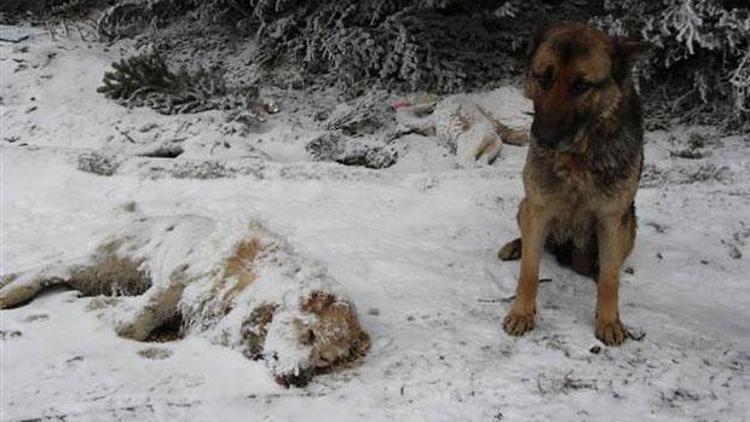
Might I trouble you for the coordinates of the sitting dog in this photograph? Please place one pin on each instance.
(582, 169)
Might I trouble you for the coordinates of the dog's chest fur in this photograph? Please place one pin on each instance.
(607, 156)
(601, 176)
(580, 178)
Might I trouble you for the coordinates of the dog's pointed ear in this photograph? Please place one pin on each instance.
(543, 29)
(625, 51)
(536, 39)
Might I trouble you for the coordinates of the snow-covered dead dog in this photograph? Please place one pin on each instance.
(239, 286)
(582, 169)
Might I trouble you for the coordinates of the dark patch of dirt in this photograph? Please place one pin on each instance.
(165, 151)
(170, 330)
(155, 353)
(36, 317)
(688, 154)
(375, 158)
(349, 152)
(98, 163)
(9, 334)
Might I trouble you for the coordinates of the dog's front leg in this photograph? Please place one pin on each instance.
(533, 221)
(612, 235)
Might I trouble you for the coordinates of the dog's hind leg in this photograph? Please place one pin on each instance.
(580, 256)
(563, 251)
(584, 258)
(511, 251)
(102, 273)
(18, 289)
(630, 224)
(585, 261)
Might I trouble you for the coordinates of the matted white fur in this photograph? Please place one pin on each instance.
(474, 126)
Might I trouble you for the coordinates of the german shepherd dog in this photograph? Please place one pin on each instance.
(582, 169)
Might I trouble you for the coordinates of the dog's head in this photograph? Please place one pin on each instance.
(577, 75)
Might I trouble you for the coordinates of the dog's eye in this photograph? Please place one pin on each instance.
(579, 87)
(545, 81)
(545, 78)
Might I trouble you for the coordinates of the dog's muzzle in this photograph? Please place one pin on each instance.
(549, 138)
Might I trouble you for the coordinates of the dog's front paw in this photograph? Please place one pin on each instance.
(517, 323)
(611, 333)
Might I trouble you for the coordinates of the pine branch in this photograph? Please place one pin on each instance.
(145, 80)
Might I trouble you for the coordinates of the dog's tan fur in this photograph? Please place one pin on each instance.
(239, 267)
(580, 191)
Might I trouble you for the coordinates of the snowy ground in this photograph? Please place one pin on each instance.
(414, 245)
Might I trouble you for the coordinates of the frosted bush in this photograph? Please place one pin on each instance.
(700, 55)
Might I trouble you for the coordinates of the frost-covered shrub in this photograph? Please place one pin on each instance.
(98, 163)
(349, 131)
(437, 45)
(339, 148)
(11, 11)
(699, 64)
(698, 68)
(130, 17)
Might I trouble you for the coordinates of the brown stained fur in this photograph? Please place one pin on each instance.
(110, 274)
(337, 337)
(341, 336)
(239, 266)
(237, 269)
(580, 188)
